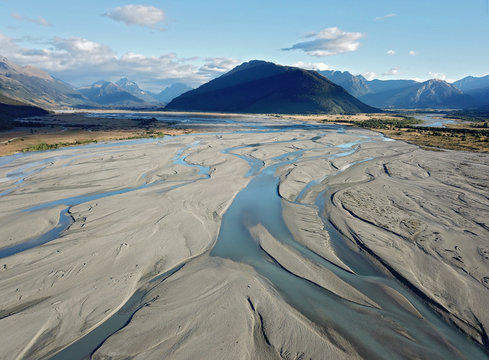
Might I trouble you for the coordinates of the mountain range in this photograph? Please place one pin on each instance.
(469, 92)
(106, 93)
(276, 89)
(358, 86)
(471, 83)
(435, 94)
(33, 86)
(264, 87)
(132, 88)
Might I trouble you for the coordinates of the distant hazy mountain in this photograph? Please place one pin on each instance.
(377, 86)
(33, 86)
(264, 87)
(107, 93)
(11, 109)
(355, 85)
(360, 87)
(470, 83)
(132, 88)
(172, 92)
(480, 96)
(429, 94)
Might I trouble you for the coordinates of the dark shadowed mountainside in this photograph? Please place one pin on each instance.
(11, 109)
(481, 97)
(264, 87)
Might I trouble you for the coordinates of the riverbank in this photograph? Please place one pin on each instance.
(453, 135)
(70, 129)
(136, 210)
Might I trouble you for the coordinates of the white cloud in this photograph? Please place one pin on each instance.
(318, 66)
(435, 75)
(75, 50)
(391, 72)
(80, 61)
(218, 65)
(412, 53)
(6, 44)
(330, 41)
(391, 52)
(369, 75)
(39, 21)
(139, 15)
(385, 16)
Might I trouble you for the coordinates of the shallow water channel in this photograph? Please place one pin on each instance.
(388, 332)
(260, 203)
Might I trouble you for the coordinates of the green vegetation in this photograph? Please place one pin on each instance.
(388, 123)
(452, 131)
(476, 116)
(44, 146)
(463, 136)
(455, 138)
(148, 134)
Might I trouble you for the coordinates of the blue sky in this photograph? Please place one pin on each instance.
(160, 42)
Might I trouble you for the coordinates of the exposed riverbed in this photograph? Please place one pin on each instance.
(262, 239)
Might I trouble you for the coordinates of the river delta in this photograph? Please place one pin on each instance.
(257, 238)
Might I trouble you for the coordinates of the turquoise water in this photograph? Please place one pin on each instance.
(373, 332)
(433, 120)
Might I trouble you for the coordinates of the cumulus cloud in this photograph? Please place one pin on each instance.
(39, 21)
(330, 41)
(385, 16)
(81, 61)
(391, 52)
(217, 66)
(317, 66)
(139, 15)
(412, 53)
(391, 72)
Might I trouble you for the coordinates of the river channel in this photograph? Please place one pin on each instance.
(373, 331)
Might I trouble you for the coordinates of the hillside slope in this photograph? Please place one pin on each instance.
(264, 87)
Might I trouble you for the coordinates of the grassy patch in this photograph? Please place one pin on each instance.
(45, 146)
(466, 136)
(468, 139)
(389, 123)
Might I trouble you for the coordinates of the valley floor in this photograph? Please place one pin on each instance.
(69, 129)
(75, 128)
(276, 239)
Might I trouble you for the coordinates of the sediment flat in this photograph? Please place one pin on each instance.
(375, 248)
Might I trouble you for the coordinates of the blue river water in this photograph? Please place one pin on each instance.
(259, 203)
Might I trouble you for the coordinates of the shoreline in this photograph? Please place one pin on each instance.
(174, 212)
(74, 127)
